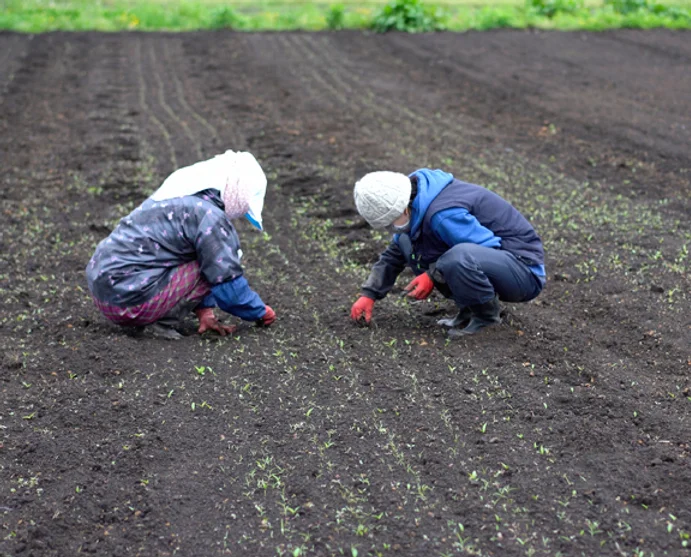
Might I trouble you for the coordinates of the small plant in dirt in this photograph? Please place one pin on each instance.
(335, 18)
(411, 16)
(203, 370)
(550, 8)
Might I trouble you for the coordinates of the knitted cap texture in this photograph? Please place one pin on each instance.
(381, 197)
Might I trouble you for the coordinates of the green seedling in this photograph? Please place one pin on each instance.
(202, 370)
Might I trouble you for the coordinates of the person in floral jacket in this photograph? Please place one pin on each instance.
(179, 251)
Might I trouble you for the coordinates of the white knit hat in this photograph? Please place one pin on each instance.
(381, 197)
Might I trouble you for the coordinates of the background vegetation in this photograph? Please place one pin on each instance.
(34, 16)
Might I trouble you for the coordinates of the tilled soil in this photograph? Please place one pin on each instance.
(563, 431)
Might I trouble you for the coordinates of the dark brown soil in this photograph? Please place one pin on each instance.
(563, 431)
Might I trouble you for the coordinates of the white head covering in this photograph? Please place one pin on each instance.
(236, 175)
(381, 197)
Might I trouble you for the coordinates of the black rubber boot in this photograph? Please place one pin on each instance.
(455, 322)
(163, 330)
(484, 315)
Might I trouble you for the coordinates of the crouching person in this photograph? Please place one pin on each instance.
(179, 251)
(468, 242)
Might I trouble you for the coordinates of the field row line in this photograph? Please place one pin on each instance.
(392, 113)
(179, 88)
(164, 103)
(352, 98)
(145, 107)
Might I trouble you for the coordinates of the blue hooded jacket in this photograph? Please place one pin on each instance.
(447, 212)
(453, 225)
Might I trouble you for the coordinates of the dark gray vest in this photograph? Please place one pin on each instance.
(492, 211)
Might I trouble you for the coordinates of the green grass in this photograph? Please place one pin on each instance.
(33, 16)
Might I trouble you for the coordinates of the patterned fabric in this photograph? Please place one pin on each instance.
(236, 200)
(186, 285)
(136, 262)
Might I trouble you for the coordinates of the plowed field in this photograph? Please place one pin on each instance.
(565, 430)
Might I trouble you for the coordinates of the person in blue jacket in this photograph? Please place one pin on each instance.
(179, 252)
(463, 239)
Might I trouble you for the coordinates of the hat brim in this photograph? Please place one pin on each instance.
(254, 222)
(254, 213)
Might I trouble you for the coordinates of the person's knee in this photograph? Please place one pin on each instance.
(456, 258)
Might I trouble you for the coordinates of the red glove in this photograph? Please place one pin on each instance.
(362, 309)
(420, 287)
(268, 317)
(208, 322)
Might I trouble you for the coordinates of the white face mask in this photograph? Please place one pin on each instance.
(400, 228)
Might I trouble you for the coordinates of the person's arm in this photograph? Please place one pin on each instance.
(384, 273)
(218, 252)
(237, 298)
(457, 226)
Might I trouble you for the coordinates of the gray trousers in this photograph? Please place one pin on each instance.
(471, 274)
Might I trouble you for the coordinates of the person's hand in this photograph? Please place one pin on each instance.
(208, 322)
(362, 310)
(268, 317)
(420, 287)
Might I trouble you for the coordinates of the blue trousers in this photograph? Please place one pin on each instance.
(472, 274)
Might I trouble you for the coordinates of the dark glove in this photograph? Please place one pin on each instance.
(268, 317)
(208, 322)
(420, 287)
(362, 309)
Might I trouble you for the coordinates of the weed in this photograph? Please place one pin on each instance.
(411, 16)
(631, 7)
(224, 17)
(549, 9)
(335, 18)
(495, 17)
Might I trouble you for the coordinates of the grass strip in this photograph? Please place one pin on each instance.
(35, 16)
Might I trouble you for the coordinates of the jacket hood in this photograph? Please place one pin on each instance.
(430, 183)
